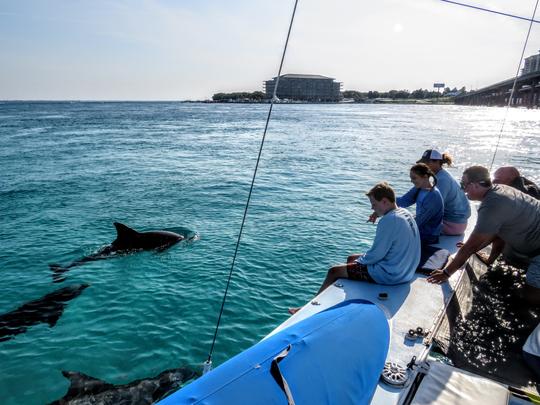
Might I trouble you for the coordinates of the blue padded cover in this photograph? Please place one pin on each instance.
(337, 357)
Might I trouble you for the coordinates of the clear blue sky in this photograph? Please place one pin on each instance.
(190, 49)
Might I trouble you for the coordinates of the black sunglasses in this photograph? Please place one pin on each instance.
(483, 183)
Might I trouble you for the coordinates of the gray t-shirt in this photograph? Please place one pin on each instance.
(513, 216)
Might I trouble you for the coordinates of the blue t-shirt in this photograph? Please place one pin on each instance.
(456, 205)
(429, 211)
(395, 252)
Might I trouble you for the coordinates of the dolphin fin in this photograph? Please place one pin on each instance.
(53, 318)
(124, 233)
(125, 237)
(83, 385)
(122, 229)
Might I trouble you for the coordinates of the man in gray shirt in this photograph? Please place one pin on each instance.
(504, 213)
(510, 176)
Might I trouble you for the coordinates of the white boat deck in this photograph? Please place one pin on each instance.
(408, 306)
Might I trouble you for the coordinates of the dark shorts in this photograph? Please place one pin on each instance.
(358, 272)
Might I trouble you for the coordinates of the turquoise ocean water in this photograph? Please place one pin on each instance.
(69, 170)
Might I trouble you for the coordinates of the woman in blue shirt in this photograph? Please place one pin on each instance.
(429, 203)
(457, 209)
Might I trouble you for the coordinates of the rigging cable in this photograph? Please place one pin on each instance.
(208, 362)
(513, 87)
(531, 20)
(491, 11)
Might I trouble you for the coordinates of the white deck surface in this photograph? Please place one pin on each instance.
(446, 385)
(410, 305)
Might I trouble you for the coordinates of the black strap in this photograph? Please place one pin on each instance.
(276, 373)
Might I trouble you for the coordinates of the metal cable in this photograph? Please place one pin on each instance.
(274, 98)
(491, 11)
(252, 184)
(513, 87)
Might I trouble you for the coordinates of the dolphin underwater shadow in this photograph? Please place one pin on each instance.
(127, 240)
(84, 389)
(47, 309)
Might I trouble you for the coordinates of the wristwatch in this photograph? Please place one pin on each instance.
(446, 273)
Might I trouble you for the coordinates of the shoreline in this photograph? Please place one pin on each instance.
(374, 101)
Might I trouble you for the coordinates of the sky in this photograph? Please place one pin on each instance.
(191, 49)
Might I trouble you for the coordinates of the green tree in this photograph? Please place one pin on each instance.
(418, 94)
(239, 96)
(258, 95)
(355, 95)
(401, 94)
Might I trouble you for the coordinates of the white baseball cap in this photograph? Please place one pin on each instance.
(430, 154)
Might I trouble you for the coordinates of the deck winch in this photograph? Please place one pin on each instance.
(395, 374)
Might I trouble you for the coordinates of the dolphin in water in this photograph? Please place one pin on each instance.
(47, 309)
(84, 389)
(127, 240)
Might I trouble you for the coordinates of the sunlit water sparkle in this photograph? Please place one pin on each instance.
(69, 170)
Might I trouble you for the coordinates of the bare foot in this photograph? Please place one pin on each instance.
(293, 311)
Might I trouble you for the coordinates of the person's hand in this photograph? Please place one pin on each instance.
(437, 277)
(373, 217)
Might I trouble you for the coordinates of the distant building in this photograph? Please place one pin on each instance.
(304, 88)
(532, 64)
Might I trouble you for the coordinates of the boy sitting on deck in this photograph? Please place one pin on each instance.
(395, 253)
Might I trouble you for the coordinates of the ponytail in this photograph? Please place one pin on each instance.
(447, 159)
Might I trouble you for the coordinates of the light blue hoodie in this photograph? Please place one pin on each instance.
(429, 211)
(395, 253)
(456, 205)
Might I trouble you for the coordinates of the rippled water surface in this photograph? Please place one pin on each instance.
(69, 170)
(491, 326)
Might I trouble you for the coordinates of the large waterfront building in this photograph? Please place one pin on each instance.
(532, 64)
(305, 88)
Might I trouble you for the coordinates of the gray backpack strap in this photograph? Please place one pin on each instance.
(276, 373)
